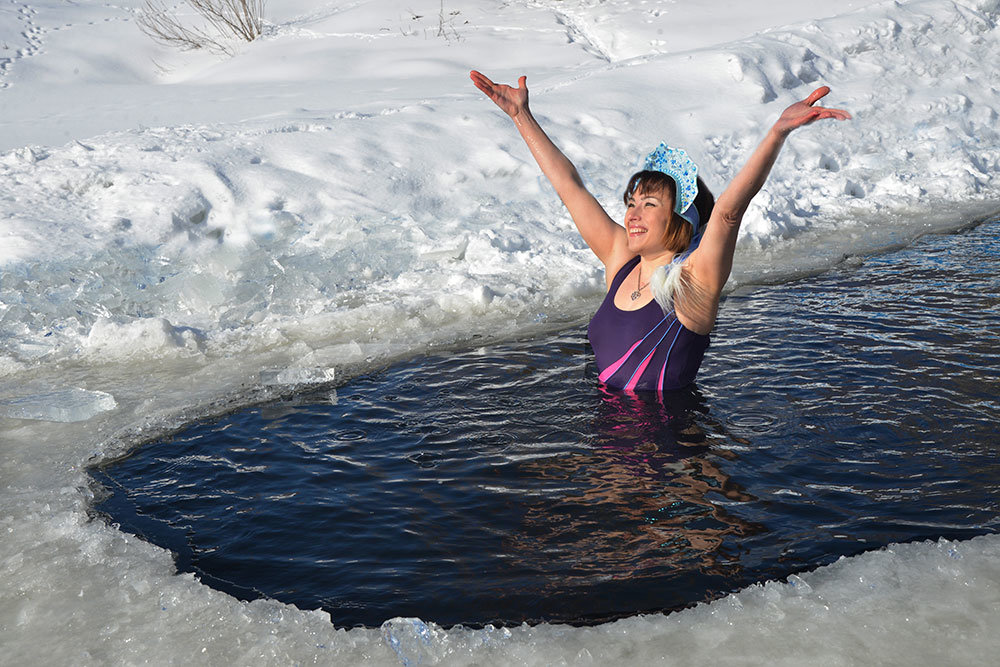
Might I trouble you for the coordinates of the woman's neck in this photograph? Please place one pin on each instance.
(650, 261)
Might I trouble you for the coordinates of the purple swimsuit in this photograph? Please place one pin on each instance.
(643, 350)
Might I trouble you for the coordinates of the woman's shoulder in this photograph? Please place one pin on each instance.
(617, 267)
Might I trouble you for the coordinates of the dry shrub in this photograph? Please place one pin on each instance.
(222, 20)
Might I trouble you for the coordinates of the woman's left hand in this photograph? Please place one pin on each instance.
(803, 113)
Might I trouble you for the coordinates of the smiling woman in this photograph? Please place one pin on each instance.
(654, 339)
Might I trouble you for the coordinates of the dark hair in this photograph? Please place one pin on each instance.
(677, 236)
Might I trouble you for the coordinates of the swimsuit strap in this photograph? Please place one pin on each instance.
(623, 274)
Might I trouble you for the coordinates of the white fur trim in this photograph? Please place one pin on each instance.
(665, 282)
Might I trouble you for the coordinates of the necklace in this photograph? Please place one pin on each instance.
(639, 286)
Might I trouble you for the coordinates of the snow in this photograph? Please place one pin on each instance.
(183, 232)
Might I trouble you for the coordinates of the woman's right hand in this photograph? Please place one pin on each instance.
(511, 100)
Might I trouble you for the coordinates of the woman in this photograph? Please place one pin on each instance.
(651, 331)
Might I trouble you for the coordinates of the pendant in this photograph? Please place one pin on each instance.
(636, 294)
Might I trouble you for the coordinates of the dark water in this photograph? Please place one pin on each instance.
(832, 415)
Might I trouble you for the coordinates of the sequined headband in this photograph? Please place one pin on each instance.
(675, 163)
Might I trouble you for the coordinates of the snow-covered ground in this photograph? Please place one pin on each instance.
(184, 232)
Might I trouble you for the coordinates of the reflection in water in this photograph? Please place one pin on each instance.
(644, 497)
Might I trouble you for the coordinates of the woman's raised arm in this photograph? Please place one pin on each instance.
(601, 233)
(711, 263)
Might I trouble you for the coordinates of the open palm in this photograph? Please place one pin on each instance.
(803, 113)
(511, 100)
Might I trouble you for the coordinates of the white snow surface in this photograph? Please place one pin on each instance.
(184, 232)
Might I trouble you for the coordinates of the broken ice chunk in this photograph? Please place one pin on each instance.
(297, 375)
(61, 405)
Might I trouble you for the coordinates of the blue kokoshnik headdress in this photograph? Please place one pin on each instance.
(675, 163)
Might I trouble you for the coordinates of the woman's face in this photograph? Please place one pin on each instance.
(647, 213)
